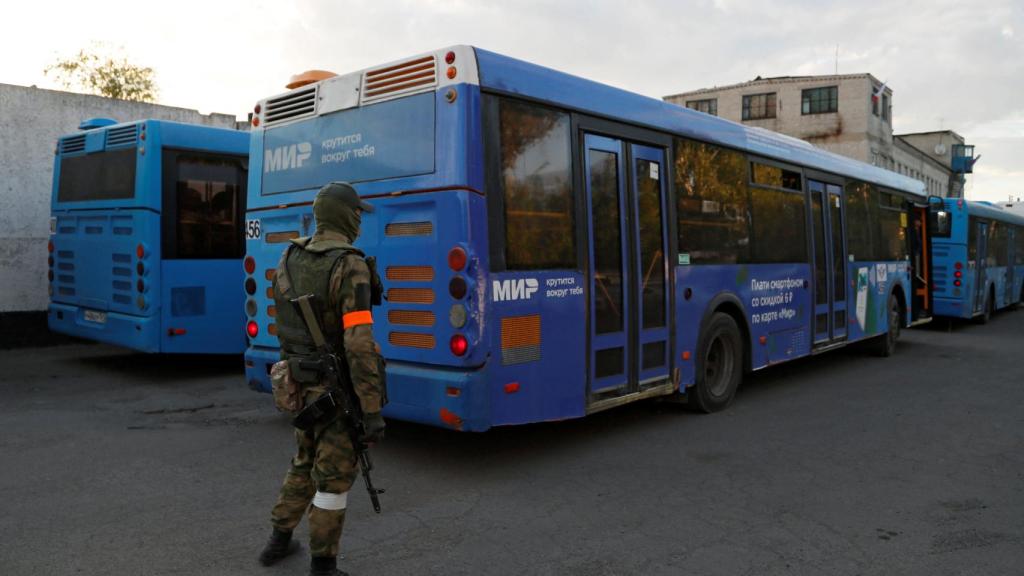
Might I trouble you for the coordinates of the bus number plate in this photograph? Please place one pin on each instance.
(96, 316)
(252, 229)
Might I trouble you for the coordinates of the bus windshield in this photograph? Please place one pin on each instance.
(102, 176)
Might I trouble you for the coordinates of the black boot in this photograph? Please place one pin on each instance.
(278, 547)
(325, 566)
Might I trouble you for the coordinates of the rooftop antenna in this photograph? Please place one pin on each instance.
(837, 59)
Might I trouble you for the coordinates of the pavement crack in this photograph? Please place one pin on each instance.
(189, 410)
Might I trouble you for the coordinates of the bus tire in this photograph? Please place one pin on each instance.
(719, 365)
(885, 345)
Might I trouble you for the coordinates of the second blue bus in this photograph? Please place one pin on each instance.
(146, 238)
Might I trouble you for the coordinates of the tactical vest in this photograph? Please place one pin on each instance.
(303, 272)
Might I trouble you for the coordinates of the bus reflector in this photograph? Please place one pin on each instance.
(281, 237)
(270, 274)
(410, 295)
(175, 331)
(457, 258)
(409, 229)
(520, 339)
(451, 418)
(272, 311)
(459, 345)
(412, 340)
(686, 354)
(252, 328)
(411, 317)
(452, 391)
(410, 273)
(250, 264)
(763, 340)
(270, 292)
(272, 329)
(511, 387)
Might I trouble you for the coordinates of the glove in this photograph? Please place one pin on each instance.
(373, 428)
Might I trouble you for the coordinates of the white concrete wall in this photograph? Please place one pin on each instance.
(31, 120)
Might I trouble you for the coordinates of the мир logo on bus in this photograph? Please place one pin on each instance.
(514, 289)
(286, 157)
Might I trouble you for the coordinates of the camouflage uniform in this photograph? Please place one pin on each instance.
(324, 467)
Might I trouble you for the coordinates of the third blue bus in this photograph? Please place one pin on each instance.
(978, 255)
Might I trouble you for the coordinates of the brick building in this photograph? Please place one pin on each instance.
(849, 114)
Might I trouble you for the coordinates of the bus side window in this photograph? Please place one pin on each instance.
(207, 196)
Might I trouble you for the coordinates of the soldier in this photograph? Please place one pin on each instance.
(325, 466)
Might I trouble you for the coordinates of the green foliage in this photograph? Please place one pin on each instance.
(105, 75)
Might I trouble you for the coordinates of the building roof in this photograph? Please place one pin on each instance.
(930, 132)
(922, 153)
(759, 81)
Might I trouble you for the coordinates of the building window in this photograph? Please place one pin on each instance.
(758, 106)
(886, 111)
(820, 100)
(709, 106)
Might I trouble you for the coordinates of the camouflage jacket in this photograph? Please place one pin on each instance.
(349, 307)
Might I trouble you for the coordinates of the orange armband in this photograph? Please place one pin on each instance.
(356, 318)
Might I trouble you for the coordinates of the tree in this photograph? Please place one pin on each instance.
(107, 75)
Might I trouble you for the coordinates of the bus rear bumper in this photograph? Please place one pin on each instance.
(952, 308)
(136, 332)
(446, 397)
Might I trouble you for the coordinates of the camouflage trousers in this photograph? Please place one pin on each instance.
(322, 472)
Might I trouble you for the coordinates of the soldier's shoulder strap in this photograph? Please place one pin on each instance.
(283, 276)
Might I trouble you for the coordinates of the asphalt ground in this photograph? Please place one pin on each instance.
(119, 463)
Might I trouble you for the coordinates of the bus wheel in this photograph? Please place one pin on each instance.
(720, 365)
(885, 345)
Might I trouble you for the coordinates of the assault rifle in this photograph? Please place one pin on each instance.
(340, 399)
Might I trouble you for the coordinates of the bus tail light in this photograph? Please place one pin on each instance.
(511, 387)
(457, 287)
(459, 345)
(141, 303)
(452, 72)
(50, 247)
(140, 251)
(457, 258)
(250, 307)
(449, 58)
(457, 316)
(252, 328)
(140, 269)
(250, 264)
(957, 283)
(958, 265)
(958, 274)
(140, 286)
(250, 286)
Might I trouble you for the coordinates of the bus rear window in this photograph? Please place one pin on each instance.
(100, 176)
(203, 204)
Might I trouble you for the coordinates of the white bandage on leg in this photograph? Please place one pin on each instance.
(329, 501)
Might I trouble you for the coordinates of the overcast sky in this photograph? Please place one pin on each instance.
(951, 64)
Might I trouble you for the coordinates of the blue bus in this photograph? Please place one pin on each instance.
(146, 238)
(552, 247)
(978, 256)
